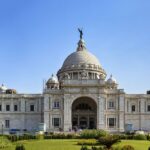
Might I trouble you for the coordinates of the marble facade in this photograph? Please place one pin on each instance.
(79, 97)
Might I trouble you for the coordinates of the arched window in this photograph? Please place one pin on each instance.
(83, 106)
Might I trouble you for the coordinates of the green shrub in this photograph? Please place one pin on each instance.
(47, 136)
(127, 147)
(94, 148)
(61, 136)
(20, 147)
(140, 137)
(97, 148)
(90, 134)
(109, 140)
(148, 137)
(123, 136)
(149, 148)
(117, 148)
(14, 138)
(70, 136)
(87, 142)
(39, 136)
(130, 137)
(4, 142)
(84, 147)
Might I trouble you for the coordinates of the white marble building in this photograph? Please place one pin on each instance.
(79, 97)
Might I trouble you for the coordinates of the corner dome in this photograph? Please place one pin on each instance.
(3, 88)
(52, 79)
(111, 80)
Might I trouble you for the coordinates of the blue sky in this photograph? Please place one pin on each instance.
(37, 35)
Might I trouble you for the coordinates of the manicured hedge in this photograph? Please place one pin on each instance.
(140, 137)
(127, 147)
(14, 138)
(87, 142)
(20, 147)
(61, 136)
(91, 134)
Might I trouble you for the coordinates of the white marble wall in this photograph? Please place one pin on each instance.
(50, 112)
(44, 112)
(23, 118)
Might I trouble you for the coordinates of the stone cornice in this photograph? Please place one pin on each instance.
(137, 96)
(21, 96)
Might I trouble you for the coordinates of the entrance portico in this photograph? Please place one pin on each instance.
(84, 113)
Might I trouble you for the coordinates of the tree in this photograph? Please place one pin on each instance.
(108, 141)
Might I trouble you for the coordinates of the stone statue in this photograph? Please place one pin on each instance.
(66, 76)
(81, 32)
(84, 75)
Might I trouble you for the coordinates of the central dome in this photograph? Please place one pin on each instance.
(81, 62)
(80, 57)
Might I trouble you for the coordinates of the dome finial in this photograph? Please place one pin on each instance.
(81, 33)
(81, 43)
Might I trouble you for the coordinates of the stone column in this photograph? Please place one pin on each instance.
(129, 108)
(67, 114)
(106, 122)
(12, 105)
(46, 120)
(142, 112)
(121, 118)
(78, 121)
(22, 107)
(3, 105)
(46, 103)
(46, 111)
(88, 119)
(106, 103)
(100, 113)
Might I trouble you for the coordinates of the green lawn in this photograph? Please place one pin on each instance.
(49, 145)
(71, 144)
(137, 144)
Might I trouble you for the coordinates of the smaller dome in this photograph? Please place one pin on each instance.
(3, 88)
(52, 79)
(111, 80)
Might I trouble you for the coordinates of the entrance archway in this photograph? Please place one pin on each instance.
(84, 113)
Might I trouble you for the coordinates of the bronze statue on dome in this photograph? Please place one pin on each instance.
(81, 32)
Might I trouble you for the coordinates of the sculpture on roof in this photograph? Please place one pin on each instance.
(84, 74)
(66, 76)
(81, 32)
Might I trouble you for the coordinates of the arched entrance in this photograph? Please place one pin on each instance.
(84, 113)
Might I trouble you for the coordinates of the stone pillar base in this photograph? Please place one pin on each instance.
(67, 127)
(101, 126)
(121, 130)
